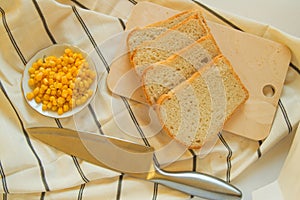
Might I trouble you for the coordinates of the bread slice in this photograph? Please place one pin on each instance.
(151, 31)
(169, 42)
(160, 77)
(197, 108)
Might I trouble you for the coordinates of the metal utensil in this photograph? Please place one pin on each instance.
(133, 159)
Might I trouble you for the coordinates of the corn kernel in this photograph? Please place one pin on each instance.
(54, 102)
(60, 111)
(51, 98)
(64, 93)
(48, 91)
(90, 92)
(31, 70)
(83, 99)
(44, 107)
(45, 81)
(53, 92)
(78, 102)
(38, 99)
(44, 87)
(46, 97)
(65, 107)
(30, 95)
(60, 100)
(54, 108)
(36, 91)
(49, 105)
(39, 76)
(31, 82)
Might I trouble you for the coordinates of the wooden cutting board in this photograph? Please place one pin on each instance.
(260, 63)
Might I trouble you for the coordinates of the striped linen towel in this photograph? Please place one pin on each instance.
(30, 169)
(286, 186)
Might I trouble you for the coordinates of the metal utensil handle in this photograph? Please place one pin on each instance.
(196, 184)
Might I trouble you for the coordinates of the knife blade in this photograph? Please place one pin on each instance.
(132, 159)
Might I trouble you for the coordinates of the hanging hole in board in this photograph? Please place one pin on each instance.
(269, 90)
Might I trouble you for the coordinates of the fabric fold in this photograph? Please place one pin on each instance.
(30, 169)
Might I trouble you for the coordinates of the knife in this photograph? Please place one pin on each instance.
(132, 159)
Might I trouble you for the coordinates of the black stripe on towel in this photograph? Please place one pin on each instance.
(228, 159)
(83, 25)
(58, 123)
(3, 178)
(258, 149)
(42, 170)
(37, 7)
(194, 167)
(99, 53)
(133, 2)
(11, 37)
(85, 179)
(119, 188)
(129, 108)
(222, 18)
(136, 123)
(295, 68)
(43, 194)
(122, 23)
(285, 115)
(41, 167)
(194, 164)
(99, 126)
(79, 4)
(43, 21)
(80, 193)
(155, 191)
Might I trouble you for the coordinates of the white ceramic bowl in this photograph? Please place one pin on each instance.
(56, 50)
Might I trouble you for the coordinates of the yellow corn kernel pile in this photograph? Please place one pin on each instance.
(61, 83)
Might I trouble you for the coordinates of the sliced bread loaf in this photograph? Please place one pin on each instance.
(197, 108)
(150, 32)
(169, 42)
(162, 76)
